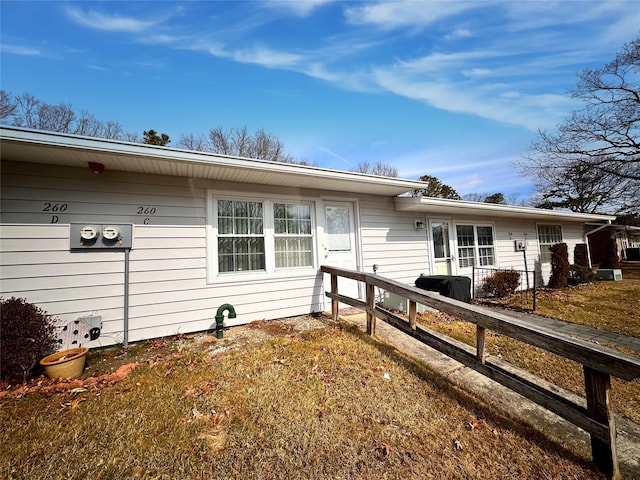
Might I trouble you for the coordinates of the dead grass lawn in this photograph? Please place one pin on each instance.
(612, 306)
(272, 402)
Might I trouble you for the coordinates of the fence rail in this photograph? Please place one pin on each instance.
(525, 291)
(599, 363)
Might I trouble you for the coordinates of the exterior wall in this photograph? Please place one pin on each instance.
(508, 230)
(390, 240)
(168, 288)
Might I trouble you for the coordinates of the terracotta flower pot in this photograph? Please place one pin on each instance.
(65, 363)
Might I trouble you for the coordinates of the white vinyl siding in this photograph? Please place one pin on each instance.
(169, 286)
(391, 241)
(548, 235)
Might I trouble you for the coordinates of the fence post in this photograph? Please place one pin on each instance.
(480, 339)
(598, 390)
(371, 318)
(473, 281)
(412, 314)
(334, 302)
(534, 290)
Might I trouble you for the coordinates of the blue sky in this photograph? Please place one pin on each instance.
(452, 89)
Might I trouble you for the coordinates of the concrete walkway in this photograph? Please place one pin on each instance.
(493, 393)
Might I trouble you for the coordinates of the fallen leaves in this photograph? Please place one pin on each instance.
(475, 424)
(195, 392)
(47, 387)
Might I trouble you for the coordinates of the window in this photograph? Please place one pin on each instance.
(293, 238)
(548, 235)
(475, 245)
(240, 236)
(261, 236)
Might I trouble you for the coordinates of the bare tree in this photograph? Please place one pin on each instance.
(474, 197)
(8, 105)
(598, 144)
(240, 142)
(195, 143)
(380, 169)
(29, 112)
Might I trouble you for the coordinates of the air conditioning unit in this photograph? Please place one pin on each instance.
(609, 274)
(393, 301)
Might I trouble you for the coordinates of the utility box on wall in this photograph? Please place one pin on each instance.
(393, 301)
(100, 236)
(520, 245)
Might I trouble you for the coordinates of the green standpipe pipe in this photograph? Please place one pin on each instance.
(231, 313)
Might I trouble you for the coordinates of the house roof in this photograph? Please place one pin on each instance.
(23, 145)
(33, 146)
(460, 208)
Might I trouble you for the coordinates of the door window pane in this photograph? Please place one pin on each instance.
(338, 229)
(440, 232)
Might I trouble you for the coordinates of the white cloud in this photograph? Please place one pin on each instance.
(108, 22)
(471, 182)
(390, 15)
(266, 57)
(476, 72)
(459, 33)
(19, 50)
(301, 8)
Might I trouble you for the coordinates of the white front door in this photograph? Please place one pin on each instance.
(442, 242)
(341, 244)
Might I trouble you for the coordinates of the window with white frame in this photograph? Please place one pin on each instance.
(548, 235)
(475, 245)
(262, 236)
(241, 245)
(293, 238)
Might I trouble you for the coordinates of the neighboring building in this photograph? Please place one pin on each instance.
(627, 240)
(194, 231)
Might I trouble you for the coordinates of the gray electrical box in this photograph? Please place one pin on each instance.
(520, 245)
(106, 236)
(393, 301)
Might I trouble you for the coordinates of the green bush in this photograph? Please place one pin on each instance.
(580, 272)
(501, 283)
(28, 334)
(611, 259)
(559, 265)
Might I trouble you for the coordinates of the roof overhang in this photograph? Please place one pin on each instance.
(31, 146)
(460, 208)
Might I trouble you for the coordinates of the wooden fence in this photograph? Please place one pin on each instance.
(599, 363)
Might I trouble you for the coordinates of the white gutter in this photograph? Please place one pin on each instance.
(464, 208)
(112, 151)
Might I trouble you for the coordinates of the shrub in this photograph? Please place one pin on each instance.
(611, 259)
(28, 334)
(559, 265)
(580, 272)
(502, 283)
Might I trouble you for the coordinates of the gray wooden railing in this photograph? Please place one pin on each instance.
(599, 363)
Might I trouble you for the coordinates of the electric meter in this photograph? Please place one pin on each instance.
(88, 233)
(110, 233)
